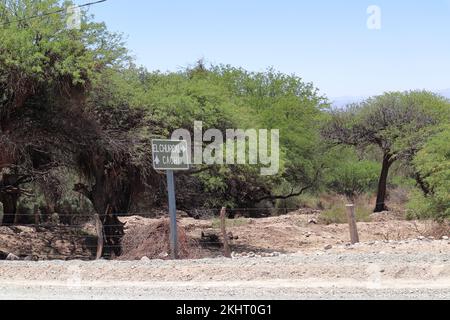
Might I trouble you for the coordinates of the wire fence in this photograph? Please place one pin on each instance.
(81, 227)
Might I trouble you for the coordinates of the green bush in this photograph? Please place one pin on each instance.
(337, 214)
(352, 177)
(433, 165)
(420, 207)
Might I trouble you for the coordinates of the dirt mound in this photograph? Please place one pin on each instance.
(47, 243)
(151, 240)
(387, 216)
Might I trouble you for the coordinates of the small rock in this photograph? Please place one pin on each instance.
(235, 255)
(163, 255)
(24, 229)
(421, 238)
(328, 247)
(6, 231)
(445, 238)
(145, 259)
(12, 257)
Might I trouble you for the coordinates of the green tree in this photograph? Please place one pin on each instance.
(398, 123)
(46, 74)
(274, 100)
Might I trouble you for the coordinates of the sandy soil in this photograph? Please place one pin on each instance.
(299, 232)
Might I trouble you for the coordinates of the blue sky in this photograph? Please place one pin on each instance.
(326, 42)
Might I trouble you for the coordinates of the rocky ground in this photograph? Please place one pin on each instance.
(47, 242)
(321, 275)
(300, 232)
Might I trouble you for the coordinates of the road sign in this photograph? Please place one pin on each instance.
(170, 155)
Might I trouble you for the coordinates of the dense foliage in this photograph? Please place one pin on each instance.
(433, 164)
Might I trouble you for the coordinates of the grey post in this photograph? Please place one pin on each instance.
(170, 156)
(173, 215)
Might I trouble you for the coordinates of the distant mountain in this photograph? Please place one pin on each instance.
(445, 93)
(342, 102)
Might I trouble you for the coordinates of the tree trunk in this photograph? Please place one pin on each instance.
(422, 184)
(382, 186)
(109, 201)
(9, 208)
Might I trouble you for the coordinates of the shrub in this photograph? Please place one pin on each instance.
(352, 177)
(337, 214)
(433, 165)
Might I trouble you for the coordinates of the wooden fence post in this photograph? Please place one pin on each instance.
(17, 217)
(226, 246)
(37, 215)
(352, 223)
(99, 228)
(2, 213)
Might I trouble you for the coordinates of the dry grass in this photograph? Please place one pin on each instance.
(433, 229)
(397, 200)
(152, 241)
(336, 212)
(230, 222)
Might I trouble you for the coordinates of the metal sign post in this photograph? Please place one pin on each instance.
(172, 214)
(170, 156)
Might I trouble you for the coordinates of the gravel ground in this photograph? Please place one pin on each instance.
(339, 273)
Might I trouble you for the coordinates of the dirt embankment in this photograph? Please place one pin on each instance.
(46, 243)
(292, 233)
(286, 257)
